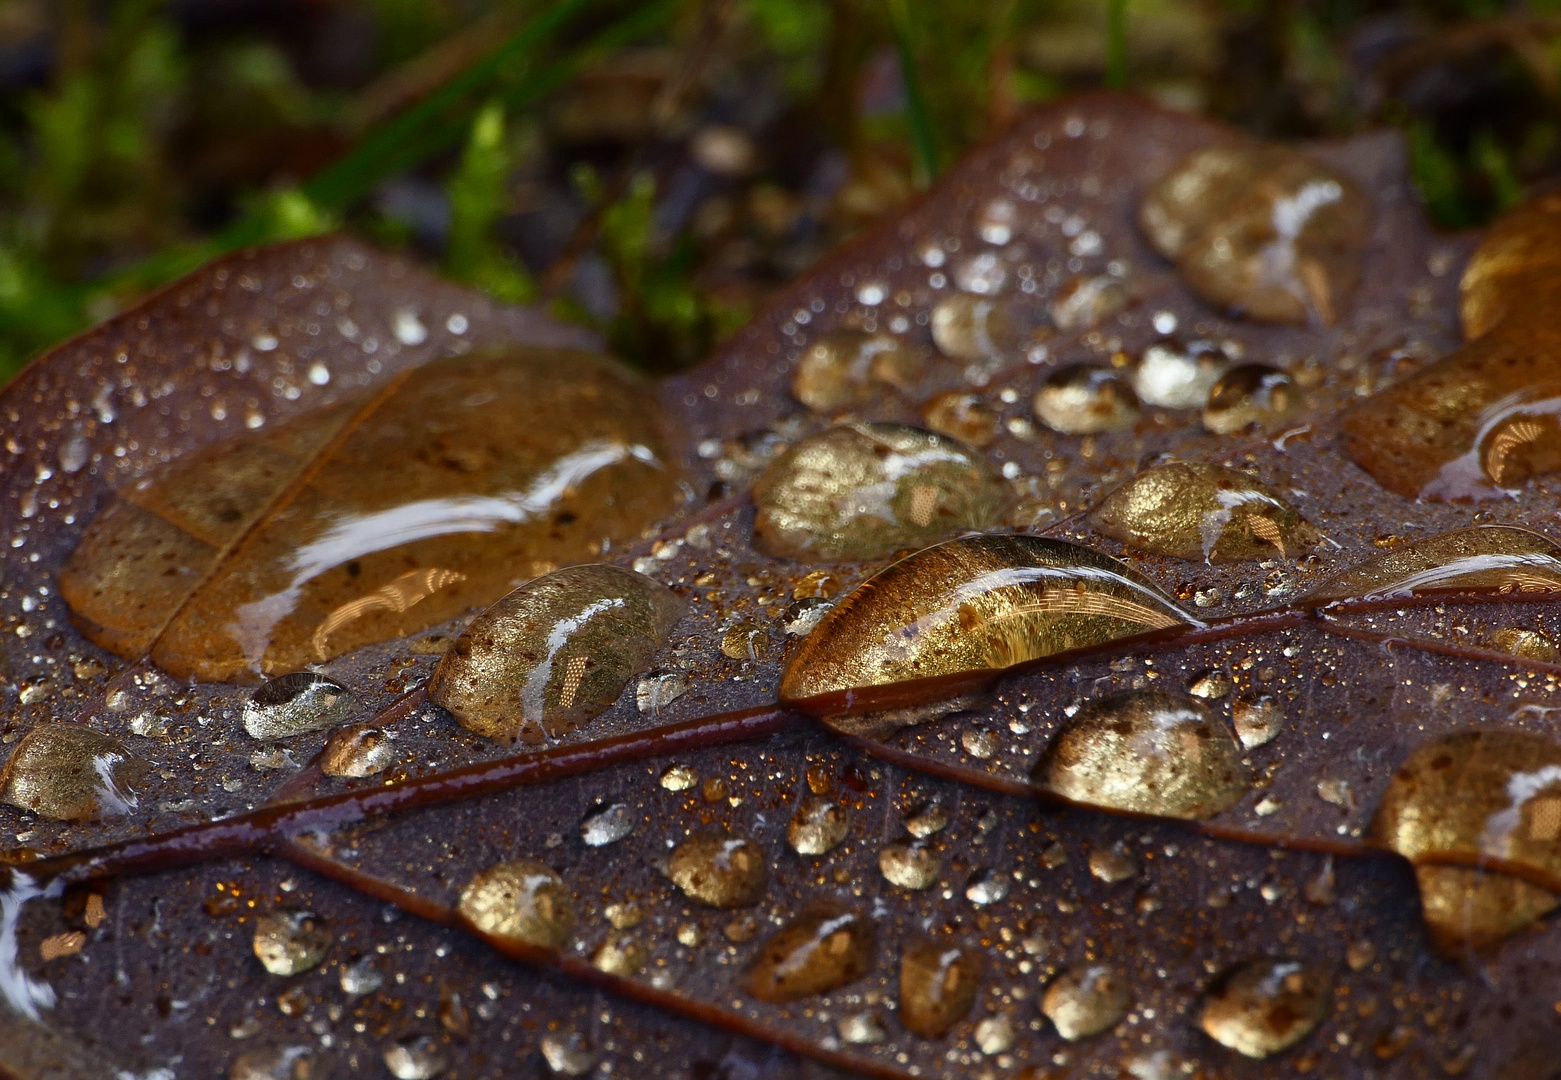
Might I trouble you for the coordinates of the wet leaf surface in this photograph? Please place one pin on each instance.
(922, 838)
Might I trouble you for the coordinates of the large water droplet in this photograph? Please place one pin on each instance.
(294, 703)
(719, 869)
(966, 327)
(359, 750)
(1529, 644)
(818, 826)
(1082, 399)
(864, 491)
(1257, 720)
(290, 942)
(1486, 558)
(968, 607)
(1251, 395)
(825, 947)
(555, 652)
(1202, 512)
(938, 983)
(1177, 376)
(1262, 230)
(521, 901)
(1493, 794)
(1147, 752)
(1516, 267)
(1084, 1001)
(415, 1057)
(66, 772)
(1266, 1006)
(839, 369)
(910, 866)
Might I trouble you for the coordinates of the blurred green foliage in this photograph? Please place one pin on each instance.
(152, 142)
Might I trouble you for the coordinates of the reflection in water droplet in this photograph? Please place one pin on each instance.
(295, 703)
(969, 606)
(839, 369)
(719, 869)
(1084, 1001)
(555, 652)
(1085, 302)
(1205, 512)
(938, 984)
(1489, 793)
(825, 947)
(415, 1057)
(1148, 752)
(1176, 376)
(1251, 395)
(966, 327)
(817, 827)
(1266, 1006)
(359, 750)
(679, 778)
(910, 866)
(745, 640)
(986, 887)
(606, 823)
(290, 942)
(1257, 720)
(1486, 558)
(522, 902)
(1529, 644)
(66, 772)
(361, 977)
(1262, 230)
(864, 491)
(961, 416)
(1082, 399)
(272, 1063)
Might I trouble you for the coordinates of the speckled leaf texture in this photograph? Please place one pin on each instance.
(139, 960)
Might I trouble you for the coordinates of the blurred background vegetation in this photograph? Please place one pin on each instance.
(654, 169)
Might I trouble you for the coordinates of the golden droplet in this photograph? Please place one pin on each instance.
(1485, 558)
(1494, 794)
(938, 984)
(1085, 1001)
(719, 869)
(1085, 302)
(824, 948)
(290, 942)
(555, 652)
(838, 370)
(1084, 400)
(1261, 230)
(1176, 376)
(1266, 1006)
(1251, 395)
(946, 618)
(818, 826)
(1202, 512)
(864, 491)
(1516, 266)
(359, 750)
(66, 772)
(966, 327)
(1146, 752)
(522, 902)
(1257, 720)
(910, 866)
(1529, 644)
(965, 417)
(621, 955)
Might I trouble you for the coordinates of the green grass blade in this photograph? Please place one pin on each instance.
(1116, 44)
(924, 140)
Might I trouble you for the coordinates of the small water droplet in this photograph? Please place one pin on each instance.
(995, 1035)
(408, 328)
(66, 772)
(839, 369)
(966, 327)
(272, 1063)
(296, 703)
(746, 640)
(1486, 558)
(1266, 1006)
(357, 750)
(1086, 302)
(1257, 720)
(621, 955)
(415, 1057)
(961, 416)
(679, 778)
(719, 869)
(361, 976)
(818, 826)
(910, 866)
(1210, 685)
(1251, 395)
(656, 692)
(1146, 751)
(938, 984)
(606, 823)
(1176, 376)
(986, 887)
(926, 820)
(861, 1029)
(520, 901)
(1085, 1001)
(290, 942)
(74, 454)
(1082, 399)
(825, 947)
(1112, 865)
(980, 742)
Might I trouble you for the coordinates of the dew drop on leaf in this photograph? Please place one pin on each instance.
(818, 826)
(290, 942)
(1082, 399)
(415, 1057)
(1207, 512)
(1176, 376)
(295, 703)
(861, 1029)
(357, 750)
(864, 491)
(1257, 719)
(567, 1054)
(1112, 865)
(66, 772)
(825, 947)
(361, 976)
(1086, 302)
(966, 327)
(910, 866)
(1517, 266)
(1485, 558)
(962, 416)
(927, 819)
(1147, 752)
(995, 1034)
(520, 901)
(938, 984)
(719, 869)
(1086, 1000)
(1529, 644)
(606, 823)
(839, 370)
(621, 955)
(1265, 1006)
(1251, 395)
(555, 652)
(273, 1063)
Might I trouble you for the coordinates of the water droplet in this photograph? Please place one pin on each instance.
(1514, 266)
(1147, 752)
(357, 750)
(521, 901)
(861, 1029)
(1495, 794)
(910, 866)
(968, 607)
(690, 935)
(986, 887)
(1210, 685)
(961, 416)
(719, 869)
(966, 327)
(825, 947)
(927, 820)
(606, 823)
(290, 942)
(66, 772)
(408, 328)
(982, 274)
(415, 1057)
(1486, 558)
(656, 692)
(1082, 399)
(938, 984)
(1529, 644)
(1257, 720)
(296, 703)
(1112, 865)
(271, 1063)
(679, 778)
(864, 491)
(746, 640)
(995, 224)
(319, 374)
(1085, 302)
(1262, 230)
(1202, 512)
(555, 652)
(818, 826)
(1251, 395)
(995, 1035)
(621, 955)
(1084, 1001)
(1266, 1006)
(74, 454)
(839, 369)
(361, 976)
(1176, 376)
(982, 743)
